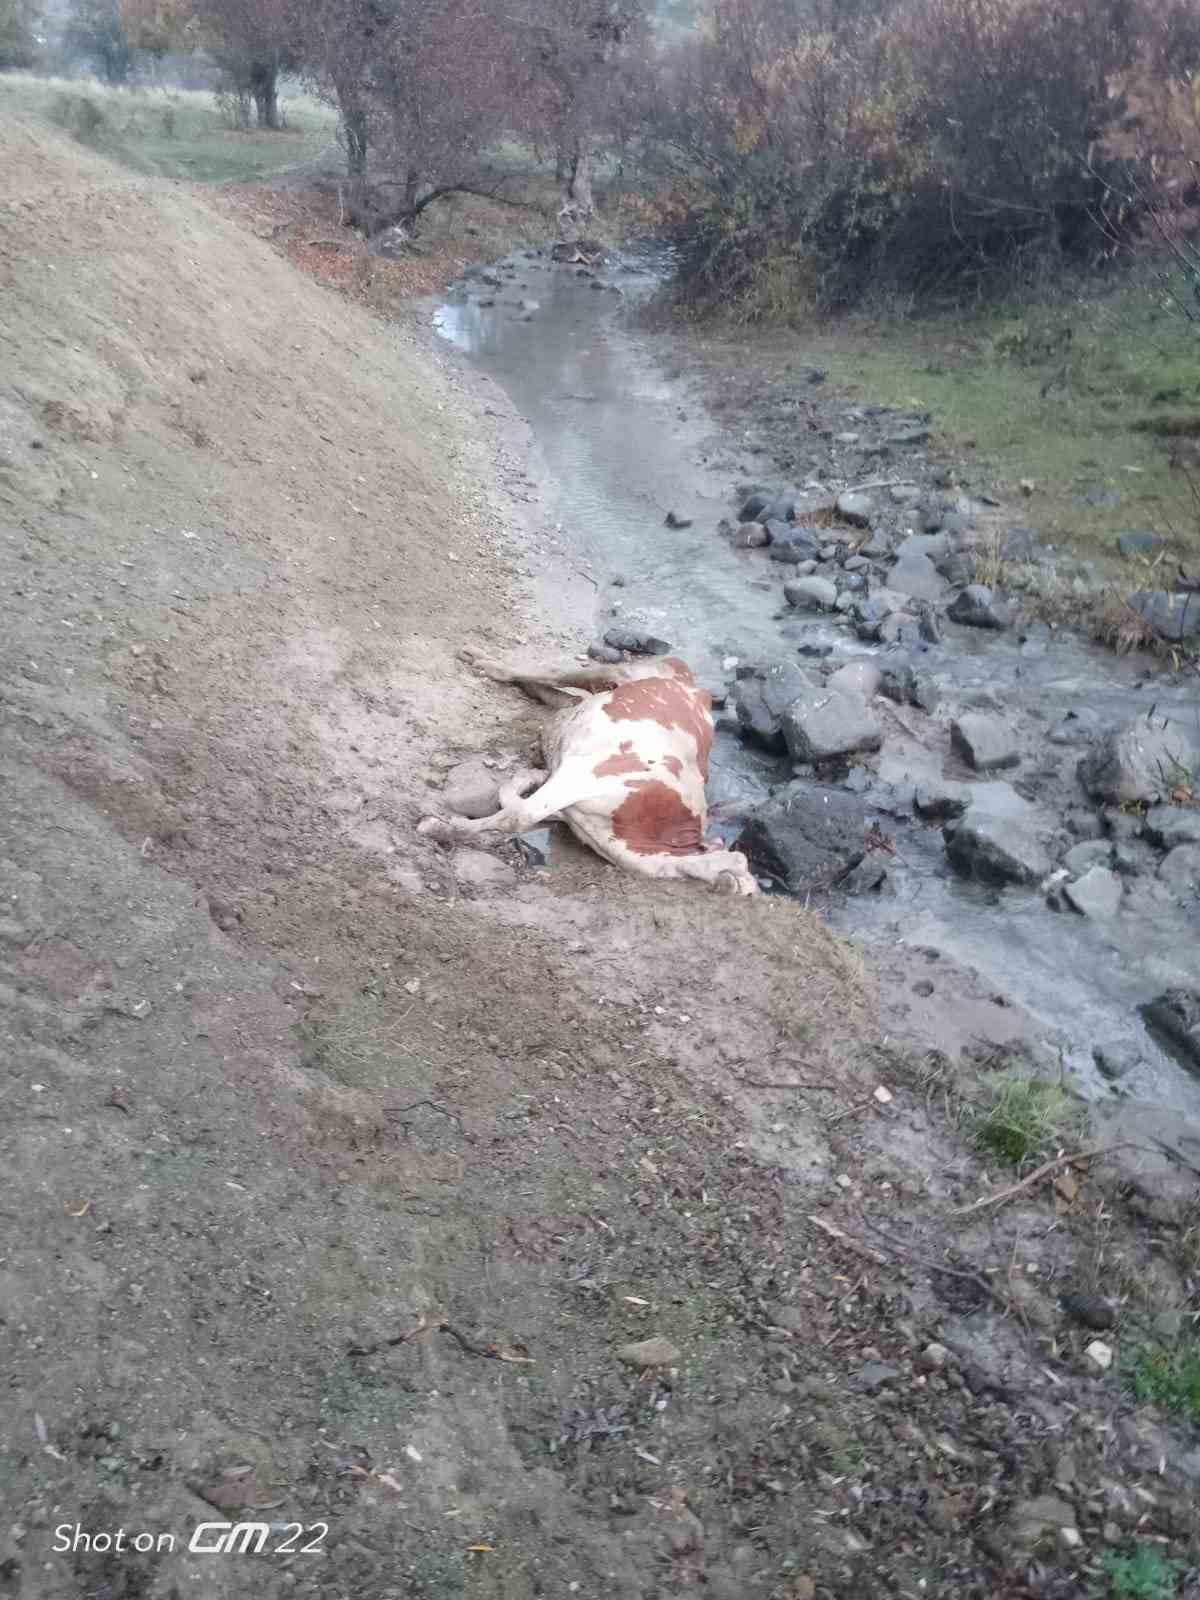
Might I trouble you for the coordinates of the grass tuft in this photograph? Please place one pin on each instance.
(1021, 1120)
(1142, 1573)
(1168, 1375)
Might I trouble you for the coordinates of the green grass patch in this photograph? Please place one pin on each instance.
(1168, 1375)
(1085, 395)
(173, 133)
(1143, 1573)
(1021, 1118)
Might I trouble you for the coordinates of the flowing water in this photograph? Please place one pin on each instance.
(621, 442)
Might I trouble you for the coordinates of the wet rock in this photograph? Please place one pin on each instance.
(811, 594)
(857, 677)
(826, 722)
(933, 546)
(995, 849)
(984, 742)
(1139, 544)
(636, 642)
(941, 800)
(906, 686)
(917, 576)
(763, 694)
(1123, 826)
(753, 508)
(1081, 824)
(1081, 858)
(808, 835)
(1173, 617)
(1176, 1014)
(471, 790)
(1144, 760)
(1097, 894)
(605, 653)
(674, 520)
(794, 544)
(856, 509)
(929, 628)
(1180, 870)
(1116, 1059)
(868, 876)
(1132, 858)
(1168, 826)
(877, 548)
(751, 536)
(1076, 727)
(978, 607)
(476, 869)
(645, 1353)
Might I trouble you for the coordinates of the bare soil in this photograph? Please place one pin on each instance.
(333, 1187)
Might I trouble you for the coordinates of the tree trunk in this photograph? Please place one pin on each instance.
(264, 87)
(579, 182)
(412, 187)
(354, 120)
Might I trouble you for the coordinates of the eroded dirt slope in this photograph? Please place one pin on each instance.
(282, 1097)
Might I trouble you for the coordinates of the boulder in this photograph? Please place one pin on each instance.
(978, 607)
(750, 536)
(605, 653)
(857, 677)
(754, 507)
(471, 790)
(1168, 826)
(1096, 894)
(794, 544)
(1117, 1059)
(1176, 1015)
(823, 723)
(1146, 760)
(1173, 617)
(877, 548)
(809, 833)
(906, 686)
(941, 800)
(985, 743)
(762, 695)
(1081, 858)
(811, 594)
(856, 509)
(934, 547)
(917, 576)
(994, 848)
(1180, 870)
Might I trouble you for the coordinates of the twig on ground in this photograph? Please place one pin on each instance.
(848, 1239)
(1036, 1176)
(771, 1083)
(394, 1113)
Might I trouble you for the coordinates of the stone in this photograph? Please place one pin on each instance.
(1139, 544)
(856, 509)
(907, 438)
(1133, 858)
(674, 520)
(826, 722)
(476, 869)
(1038, 1521)
(1173, 617)
(471, 790)
(750, 536)
(933, 546)
(977, 607)
(1097, 894)
(796, 545)
(857, 677)
(875, 1375)
(941, 800)
(645, 1353)
(1081, 858)
(1175, 1014)
(906, 686)
(1089, 1310)
(1117, 1060)
(917, 576)
(847, 438)
(754, 507)
(1146, 760)
(995, 849)
(808, 834)
(1168, 826)
(868, 876)
(877, 548)
(761, 696)
(811, 594)
(1180, 870)
(934, 1358)
(986, 743)
(636, 642)
(605, 653)
(1100, 1355)
(1083, 824)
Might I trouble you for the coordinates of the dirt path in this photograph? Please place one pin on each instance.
(334, 1188)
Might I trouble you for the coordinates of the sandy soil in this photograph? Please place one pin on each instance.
(334, 1187)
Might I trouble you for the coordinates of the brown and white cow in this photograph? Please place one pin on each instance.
(627, 753)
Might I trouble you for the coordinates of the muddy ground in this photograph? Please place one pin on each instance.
(333, 1187)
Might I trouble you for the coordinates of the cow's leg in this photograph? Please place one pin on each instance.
(726, 870)
(550, 688)
(517, 812)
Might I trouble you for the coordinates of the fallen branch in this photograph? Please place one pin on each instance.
(881, 483)
(1036, 1176)
(848, 1240)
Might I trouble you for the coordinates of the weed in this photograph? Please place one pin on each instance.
(1168, 1375)
(1021, 1119)
(1142, 1573)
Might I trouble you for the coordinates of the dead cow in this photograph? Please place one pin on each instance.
(627, 754)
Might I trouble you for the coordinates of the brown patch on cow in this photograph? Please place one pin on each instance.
(673, 765)
(679, 669)
(617, 766)
(672, 704)
(654, 821)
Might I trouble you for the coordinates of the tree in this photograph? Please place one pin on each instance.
(96, 32)
(254, 42)
(19, 22)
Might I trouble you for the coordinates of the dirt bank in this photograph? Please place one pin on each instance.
(333, 1188)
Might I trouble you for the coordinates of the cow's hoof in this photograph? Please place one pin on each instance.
(434, 828)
